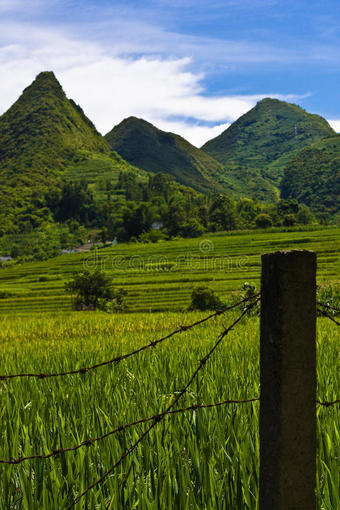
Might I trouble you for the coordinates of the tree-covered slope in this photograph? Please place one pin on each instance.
(255, 149)
(41, 132)
(313, 176)
(45, 139)
(143, 145)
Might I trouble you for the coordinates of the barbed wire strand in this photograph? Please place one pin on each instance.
(160, 417)
(90, 441)
(326, 305)
(325, 314)
(121, 428)
(118, 359)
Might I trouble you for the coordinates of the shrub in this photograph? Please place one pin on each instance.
(329, 294)
(249, 290)
(263, 220)
(204, 298)
(289, 220)
(94, 290)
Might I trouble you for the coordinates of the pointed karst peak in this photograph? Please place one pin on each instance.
(46, 83)
(46, 76)
(135, 121)
(267, 100)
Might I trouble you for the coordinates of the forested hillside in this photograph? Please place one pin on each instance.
(255, 149)
(313, 176)
(143, 145)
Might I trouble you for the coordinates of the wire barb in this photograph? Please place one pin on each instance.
(328, 404)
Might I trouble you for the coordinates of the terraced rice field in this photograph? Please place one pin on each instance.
(160, 277)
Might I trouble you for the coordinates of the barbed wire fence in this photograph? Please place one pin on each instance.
(250, 302)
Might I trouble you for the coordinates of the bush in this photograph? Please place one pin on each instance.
(93, 290)
(249, 290)
(204, 298)
(263, 220)
(289, 220)
(304, 216)
(329, 294)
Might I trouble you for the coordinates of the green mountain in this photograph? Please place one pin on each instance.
(313, 176)
(42, 131)
(46, 138)
(144, 146)
(255, 149)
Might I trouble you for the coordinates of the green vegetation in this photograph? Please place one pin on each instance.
(62, 186)
(144, 146)
(101, 173)
(61, 182)
(94, 291)
(313, 177)
(45, 141)
(161, 276)
(203, 459)
(330, 294)
(255, 149)
(204, 298)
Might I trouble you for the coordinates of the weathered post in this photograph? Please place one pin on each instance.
(288, 381)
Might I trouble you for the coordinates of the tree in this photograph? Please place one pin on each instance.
(93, 290)
(304, 215)
(289, 220)
(223, 214)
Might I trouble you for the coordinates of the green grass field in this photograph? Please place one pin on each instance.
(160, 277)
(207, 459)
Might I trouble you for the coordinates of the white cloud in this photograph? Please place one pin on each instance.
(111, 87)
(195, 134)
(335, 124)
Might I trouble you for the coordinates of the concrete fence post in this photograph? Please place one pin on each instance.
(288, 381)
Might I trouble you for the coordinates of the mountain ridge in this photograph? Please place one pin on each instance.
(145, 146)
(258, 145)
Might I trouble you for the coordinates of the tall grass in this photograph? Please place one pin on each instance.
(206, 459)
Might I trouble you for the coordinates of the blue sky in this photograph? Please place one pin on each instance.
(190, 67)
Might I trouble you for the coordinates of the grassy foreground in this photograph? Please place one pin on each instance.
(207, 459)
(160, 277)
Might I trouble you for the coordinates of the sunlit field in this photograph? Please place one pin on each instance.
(160, 276)
(203, 459)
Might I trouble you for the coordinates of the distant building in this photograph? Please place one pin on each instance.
(157, 225)
(5, 259)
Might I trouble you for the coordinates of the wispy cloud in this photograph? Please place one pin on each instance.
(16, 6)
(132, 64)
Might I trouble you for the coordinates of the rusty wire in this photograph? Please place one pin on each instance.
(326, 305)
(118, 359)
(325, 314)
(90, 441)
(328, 404)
